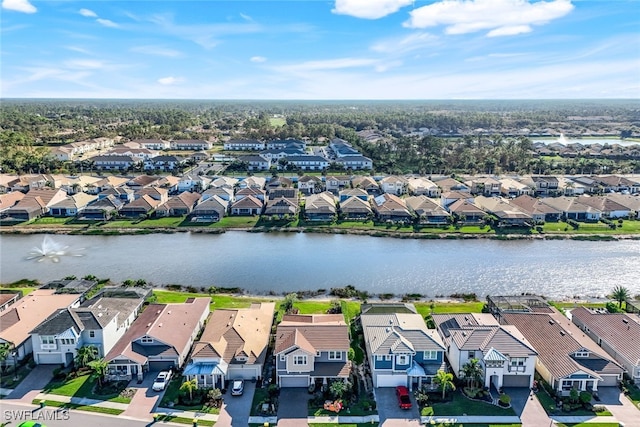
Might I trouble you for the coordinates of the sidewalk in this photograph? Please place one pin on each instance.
(82, 401)
(187, 414)
(585, 420)
(478, 419)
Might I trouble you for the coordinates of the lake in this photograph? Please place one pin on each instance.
(284, 262)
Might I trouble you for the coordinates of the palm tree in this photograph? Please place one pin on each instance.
(5, 351)
(86, 354)
(99, 368)
(189, 386)
(472, 372)
(620, 294)
(338, 389)
(445, 381)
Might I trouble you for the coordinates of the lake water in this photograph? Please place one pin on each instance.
(281, 262)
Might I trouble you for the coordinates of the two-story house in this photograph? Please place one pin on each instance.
(159, 339)
(400, 348)
(244, 145)
(233, 346)
(396, 185)
(99, 322)
(506, 357)
(311, 349)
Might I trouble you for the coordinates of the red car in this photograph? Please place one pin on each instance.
(403, 397)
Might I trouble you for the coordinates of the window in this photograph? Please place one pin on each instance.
(92, 334)
(300, 360)
(48, 342)
(283, 357)
(582, 354)
(402, 359)
(472, 354)
(335, 355)
(146, 340)
(430, 355)
(517, 364)
(387, 357)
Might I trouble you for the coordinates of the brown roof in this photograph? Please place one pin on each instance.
(7, 297)
(182, 200)
(10, 199)
(242, 332)
(618, 330)
(461, 206)
(312, 333)
(172, 324)
(27, 313)
(248, 202)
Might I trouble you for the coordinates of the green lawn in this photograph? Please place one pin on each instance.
(260, 395)
(172, 393)
(628, 227)
(82, 386)
(424, 308)
(182, 420)
(86, 408)
(634, 395)
(217, 300)
(461, 405)
(25, 291)
(276, 122)
(355, 410)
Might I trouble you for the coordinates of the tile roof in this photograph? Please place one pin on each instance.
(355, 205)
(248, 202)
(318, 332)
(324, 202)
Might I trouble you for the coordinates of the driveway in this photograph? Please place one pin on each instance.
(33, 383)
(145, 399)
(527, 407)
(390, 413)
(619, 405)
(235, 410)
(293, 407)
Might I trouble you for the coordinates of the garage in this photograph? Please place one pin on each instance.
(294, 382)
(162, 365)
(516, 381)
(608, 381)
(48, 358)
(245, 373)
(390, 380)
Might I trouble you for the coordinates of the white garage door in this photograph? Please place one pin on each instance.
(516, 380)
(247, 373)
(608, 380)
(390, 380)
(49, 358)
(294, 381)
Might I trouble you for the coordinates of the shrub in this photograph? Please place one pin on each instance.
(505, 399)
(585, 397)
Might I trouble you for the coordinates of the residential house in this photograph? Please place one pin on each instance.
(320, 207)
(366, 183)
(105, 183)
(420, 186)
(190, 144)
(28, 312)
(465, 212)
(507, 359)
(630, 202)
(7, 298)
(511, 188)
(337, 183)
(427, 210)
(353, 192)
(355, 208)
(450, 184)
(102, 209)
(257, 182)
(112, 162)
(616, 183)
(180, 205)
(545, 185)
(140, 207)
(247, 205)
(311, 349)
(310, 184)
(590, 185)
(72, 205)
(276, 154)
(141, 154)
(153, 144)
(99, 322)
(485, 186)
(159, 339)
(250, 191)
(309, 162)
(286, 143)
(225, 193)
(539, 211)
(447, 198)
(156, 193)
(400, 348)
(281, 205)
(8, 200)
(244, 145)
(233, 346)
(125, 194)
(193, 183)
(396, 185)
(352, 162)
(278, 182)
(569, 187)
(391, 208)
(211, 210)
(143, 181)
(224, 181)
(507, 214)
(35, 203)
(255, 162)
(616, 333)
(573, 209)
(567, 358)
(342, 148)
(608, 207)
(164, 163)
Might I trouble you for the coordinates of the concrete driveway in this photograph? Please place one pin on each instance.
(145, 400)
(390, 413)
(235, 410)
(293, 407)
(527, 407)
(619, 405)
(33, 383)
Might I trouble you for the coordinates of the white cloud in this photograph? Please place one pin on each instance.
(84, 64)
(405, 44)
(19, 6)
(369, 9)
(258, 59)
(329, 64)
(157, 51)
(246, 17)
(78, 49)
(169, 80)
(88, 13)
(500, 17)
(107, 23)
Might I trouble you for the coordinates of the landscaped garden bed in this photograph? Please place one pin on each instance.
(84, 384)
(457, 404)
(184, 395)
(341, 398)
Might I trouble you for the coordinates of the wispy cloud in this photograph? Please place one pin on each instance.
(246, 17)
(19, 6)
(499, 17)
(406, 44)
(258, 59)
(107, 23)
(170, 80)
(88, 13)
(329, 64)
(79, 50)
(369, 9)
(157, 51)
(84, 64)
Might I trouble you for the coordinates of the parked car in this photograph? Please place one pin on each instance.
(237, 387)
(404, 401)
(161, 380)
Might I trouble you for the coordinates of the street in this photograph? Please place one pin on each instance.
(14, 414)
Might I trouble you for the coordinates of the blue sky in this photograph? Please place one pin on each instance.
(313, 49)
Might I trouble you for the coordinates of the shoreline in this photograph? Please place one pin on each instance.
(329, 230)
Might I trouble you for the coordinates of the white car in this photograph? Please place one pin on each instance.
(237, 388)
(161, 380)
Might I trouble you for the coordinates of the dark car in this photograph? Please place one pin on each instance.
(403, 397)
